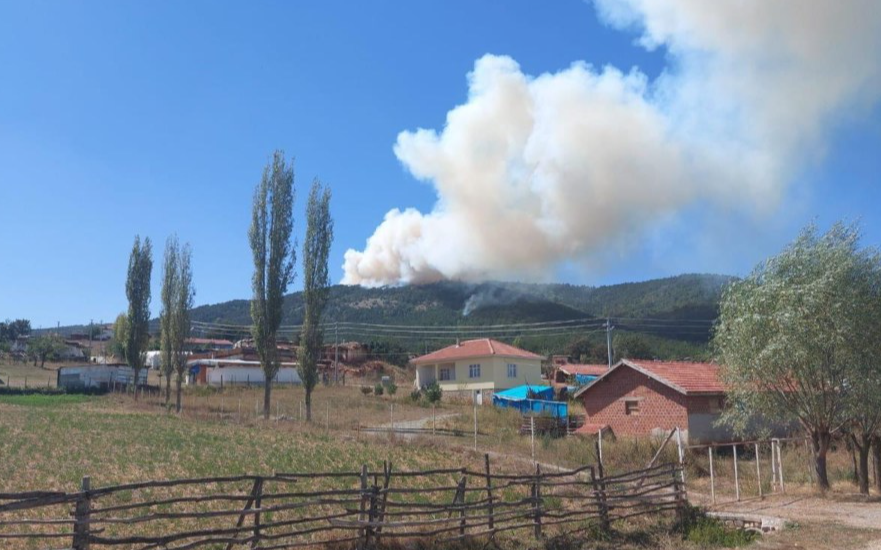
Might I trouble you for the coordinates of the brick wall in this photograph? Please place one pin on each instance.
(660, 407)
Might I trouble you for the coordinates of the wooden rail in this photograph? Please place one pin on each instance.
(291, 510)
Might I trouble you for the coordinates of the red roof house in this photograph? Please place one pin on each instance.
(478, 368)
(638, 398)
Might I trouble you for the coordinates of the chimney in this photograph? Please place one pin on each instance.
(457, 342)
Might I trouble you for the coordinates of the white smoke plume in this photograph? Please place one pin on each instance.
(532, 171)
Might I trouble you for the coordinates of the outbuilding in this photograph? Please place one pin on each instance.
(640, 398)
(100, 376)
(220, 372)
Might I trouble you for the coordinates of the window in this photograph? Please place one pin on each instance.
(447, 373)
(631, 407)
(715, 405)
(512, 370)
(473, 371)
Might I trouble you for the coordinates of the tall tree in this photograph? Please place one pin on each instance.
(274, 254)
(137, 290)
(316, 284)
(170, 283)
(790, 333)
(183, 303)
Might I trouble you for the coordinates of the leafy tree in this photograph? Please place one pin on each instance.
(182, 303)
(792, 336)
(632, 346)
(47, 346)
(116, 345)
(274, 254)
(316, 282)
(11, 330)
(137, 290)
(174, 323)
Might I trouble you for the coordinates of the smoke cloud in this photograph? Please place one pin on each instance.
(533, 171)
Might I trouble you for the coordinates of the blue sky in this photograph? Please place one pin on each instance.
(153, 117)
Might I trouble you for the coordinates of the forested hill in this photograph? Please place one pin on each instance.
(684, 297)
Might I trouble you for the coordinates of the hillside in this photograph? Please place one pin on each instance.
(683, 298)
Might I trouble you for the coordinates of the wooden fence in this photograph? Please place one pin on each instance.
(359, 509)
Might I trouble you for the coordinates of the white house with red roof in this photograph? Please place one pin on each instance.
(478, 368)
(639, 397)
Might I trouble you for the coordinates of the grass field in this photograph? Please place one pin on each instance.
(51, 442)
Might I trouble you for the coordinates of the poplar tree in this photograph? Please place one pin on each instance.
(316, 284)
(166, 316)
(137, 290)
(183, 303)
(274, 255)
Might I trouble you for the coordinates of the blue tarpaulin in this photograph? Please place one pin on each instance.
(531, 400)
(582, 379)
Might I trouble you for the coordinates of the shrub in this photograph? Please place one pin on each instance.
(415, 395)
(392, 388)
(433, 392)
(366, 390)
(707, 532)
(377, 389)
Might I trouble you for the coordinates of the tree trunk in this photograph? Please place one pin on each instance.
(876, 460)
(180, 381)
(42, 361)
(267, 397)
(308, 404)
(167, 388)
(820, 443)
(862, 445)
(137, 372)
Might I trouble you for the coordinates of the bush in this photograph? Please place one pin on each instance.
(433, 392)
(392, 388)
(378, 389)
(707, 532)
(366, 390)
(415, 395)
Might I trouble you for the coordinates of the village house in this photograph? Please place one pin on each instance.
(641, 398)
(475, 369)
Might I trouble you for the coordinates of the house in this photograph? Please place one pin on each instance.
(221, 372)
(345, 352)
(208, 344)
(638, 398)
(475, 369)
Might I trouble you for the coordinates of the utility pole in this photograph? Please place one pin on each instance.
(609, 329)
(336, 352)
(91, 322)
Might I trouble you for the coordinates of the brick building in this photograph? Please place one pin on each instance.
(638, 398)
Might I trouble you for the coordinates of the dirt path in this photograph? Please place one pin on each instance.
(851, 511)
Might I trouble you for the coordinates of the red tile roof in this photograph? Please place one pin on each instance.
(475, 348)
(685, 377)
(590, 370)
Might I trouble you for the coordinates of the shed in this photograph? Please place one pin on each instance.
(97, 376)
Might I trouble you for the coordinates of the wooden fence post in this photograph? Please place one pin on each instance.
(536, 501)
(461, 491)
(532, 435)
(736, 478)
(258, 503)
(678, 489)
(489, 492)
(600, 495)
(773, 465)
(780, 467)
(362, 513)
(712, 475)
(387, 476)
(82, 510)
(759, 472)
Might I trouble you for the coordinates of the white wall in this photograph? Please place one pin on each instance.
(244, 375)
